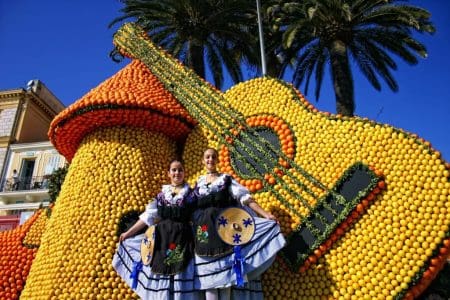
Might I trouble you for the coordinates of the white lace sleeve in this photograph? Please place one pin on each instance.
(151, 211)
(240, 192)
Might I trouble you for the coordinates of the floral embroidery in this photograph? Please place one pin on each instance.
(174, 254)
(202, 233)
(172, 246)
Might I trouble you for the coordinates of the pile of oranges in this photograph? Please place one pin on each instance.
(133, 97)
(16, 258)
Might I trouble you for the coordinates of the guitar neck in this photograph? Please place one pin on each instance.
(208, 106)
(199, 97)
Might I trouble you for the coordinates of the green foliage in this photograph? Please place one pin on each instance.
(337, 33)
(55, 182)
(214, 32)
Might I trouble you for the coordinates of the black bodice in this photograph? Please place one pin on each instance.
(175, 213)
(221, 198)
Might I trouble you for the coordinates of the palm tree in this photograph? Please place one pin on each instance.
(335, 32)
(217, 32)
(277, 57)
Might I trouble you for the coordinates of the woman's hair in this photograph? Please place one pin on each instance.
(213, 149)
(175, 160)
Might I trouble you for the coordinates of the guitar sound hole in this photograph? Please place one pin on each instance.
(256, 158)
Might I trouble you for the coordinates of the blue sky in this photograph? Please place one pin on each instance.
(65, 44)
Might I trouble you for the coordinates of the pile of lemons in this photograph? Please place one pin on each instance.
(34, 234)
(397, 246)
(115, 170)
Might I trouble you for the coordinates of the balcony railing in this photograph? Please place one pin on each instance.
(25, 184)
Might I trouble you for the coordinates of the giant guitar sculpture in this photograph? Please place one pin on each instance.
(364, 206)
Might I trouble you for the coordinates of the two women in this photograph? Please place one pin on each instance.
(212, 266)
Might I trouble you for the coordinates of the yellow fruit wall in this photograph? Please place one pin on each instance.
(114, 171)
(392, 249)
(391, 246)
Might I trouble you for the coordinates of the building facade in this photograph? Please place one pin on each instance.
(25, 117)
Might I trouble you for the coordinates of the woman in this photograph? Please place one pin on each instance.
(170, 274)
(214, 258)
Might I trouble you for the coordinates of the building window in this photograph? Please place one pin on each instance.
(26, 174)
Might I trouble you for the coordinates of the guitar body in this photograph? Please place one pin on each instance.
(401, 238)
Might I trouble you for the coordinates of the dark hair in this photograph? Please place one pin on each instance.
(175, 160)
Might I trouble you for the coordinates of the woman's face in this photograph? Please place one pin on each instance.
(176, 173)
(210, 160)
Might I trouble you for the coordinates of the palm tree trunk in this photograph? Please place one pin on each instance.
(342, 79)
(195, 60)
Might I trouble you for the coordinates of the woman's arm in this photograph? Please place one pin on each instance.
(139, 225)
(243, 194)
(147, 218)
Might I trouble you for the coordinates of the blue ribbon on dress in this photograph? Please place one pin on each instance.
(238, 266)
(137, 267)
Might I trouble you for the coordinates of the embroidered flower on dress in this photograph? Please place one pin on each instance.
(174, 254)
(202, 233)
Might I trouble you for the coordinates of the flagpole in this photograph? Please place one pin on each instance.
(261, 38)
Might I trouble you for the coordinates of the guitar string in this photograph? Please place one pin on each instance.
(281, 182)
(213, 129)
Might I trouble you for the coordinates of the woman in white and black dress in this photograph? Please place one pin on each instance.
(213, 258)
(170, 274)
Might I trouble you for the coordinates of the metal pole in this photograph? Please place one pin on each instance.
(261, 38)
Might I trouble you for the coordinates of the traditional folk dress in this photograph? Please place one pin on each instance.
(213, 258)
(170, 274)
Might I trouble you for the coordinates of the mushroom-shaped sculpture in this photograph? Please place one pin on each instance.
(133, 97)
(119, 139)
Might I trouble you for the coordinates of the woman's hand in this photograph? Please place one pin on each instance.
(133, 230)
(123, 236)
(269, 216)
(259, 210)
